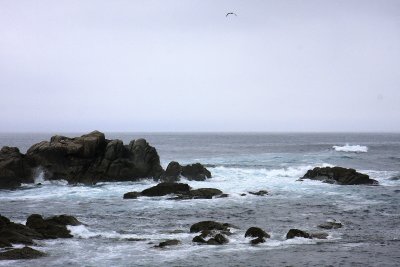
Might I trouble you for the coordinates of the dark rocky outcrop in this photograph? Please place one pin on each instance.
(36, 228)
(89, 159)
(167, 243)
(172, 173)
(15, 168)
(339, 175)
(256, 232)
(51, 228)
(92, 158)
(15, 233)
(214, 230)
(21, 254)
(297, 233)
(201, 193)
(195, 172)
(182, 191)
(163, 189)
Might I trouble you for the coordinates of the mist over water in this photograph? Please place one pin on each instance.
(118, 232)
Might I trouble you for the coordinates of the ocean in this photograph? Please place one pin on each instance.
(118, 232)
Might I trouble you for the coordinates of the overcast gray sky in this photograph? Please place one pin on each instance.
(184, 66)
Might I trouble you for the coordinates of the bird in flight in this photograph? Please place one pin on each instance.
(230, 13)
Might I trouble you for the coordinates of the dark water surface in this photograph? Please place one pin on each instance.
(122, 232)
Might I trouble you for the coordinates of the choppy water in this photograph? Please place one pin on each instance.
(122, 232)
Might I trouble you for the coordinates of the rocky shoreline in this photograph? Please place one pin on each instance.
(89, 159)
(205, 233)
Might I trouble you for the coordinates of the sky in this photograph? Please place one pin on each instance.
(172, 66)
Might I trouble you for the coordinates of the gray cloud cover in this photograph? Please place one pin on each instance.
(184, 66)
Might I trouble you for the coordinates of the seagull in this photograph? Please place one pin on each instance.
(230, 13)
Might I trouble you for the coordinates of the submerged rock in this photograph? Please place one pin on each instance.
(21, 254)
(132, 195)
(171, 242)
(331, 225)
(258, 240)
(339, 175)
(199, 239)
(205, 193)
(218, 239)
(163, 189)
(259, 193)
(319, 235)
(297, 233)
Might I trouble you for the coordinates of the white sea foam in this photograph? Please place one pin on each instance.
(351, 148)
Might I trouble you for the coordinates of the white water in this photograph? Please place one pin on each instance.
(351, 148)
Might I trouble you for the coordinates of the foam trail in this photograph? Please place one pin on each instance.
(351, 148)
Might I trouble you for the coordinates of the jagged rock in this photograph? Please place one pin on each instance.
(15, 168)
(331, 225)
(16, 233)
(89, 159)
(208, 225)
(339, 175)
(256, 232)
(259, 193)
(297, 233)
(171, 242)
(195, 172)
(132, 195)
(54, 227)
(163, 189)
(172, 173)
(92, 158)
(21, 253)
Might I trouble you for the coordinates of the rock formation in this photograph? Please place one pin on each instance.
(339, 175)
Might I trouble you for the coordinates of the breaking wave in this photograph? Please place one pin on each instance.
(351, 148)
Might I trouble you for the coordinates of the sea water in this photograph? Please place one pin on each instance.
(118, 232)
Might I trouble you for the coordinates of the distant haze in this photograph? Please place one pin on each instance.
(184, 66)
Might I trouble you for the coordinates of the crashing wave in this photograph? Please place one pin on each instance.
(351, 148)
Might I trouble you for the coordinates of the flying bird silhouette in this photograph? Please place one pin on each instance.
(230, 13)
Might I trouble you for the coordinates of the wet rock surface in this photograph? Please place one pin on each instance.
(339, 175)
(297, 233)
(24, 253)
